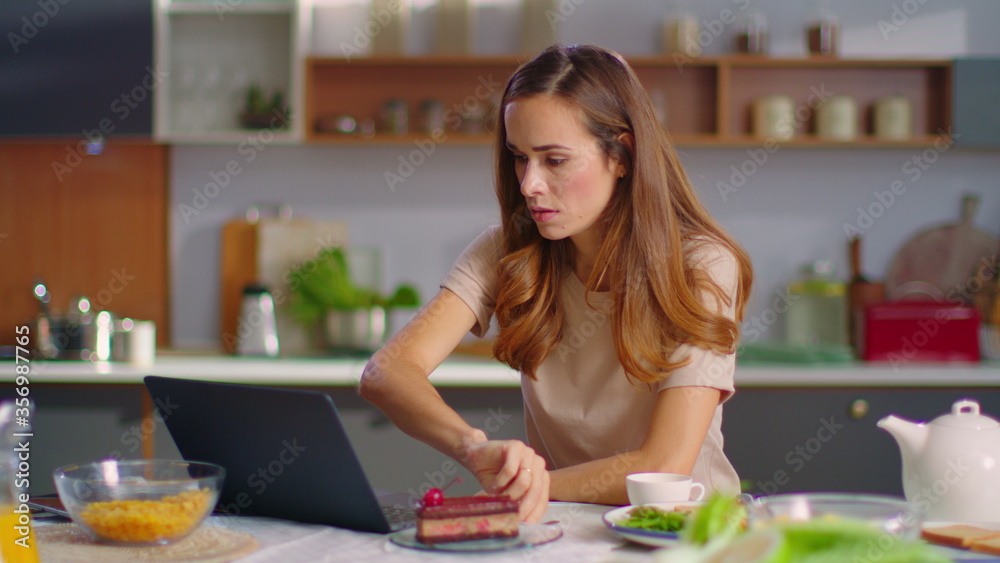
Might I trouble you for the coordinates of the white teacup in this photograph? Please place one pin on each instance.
(648, 488)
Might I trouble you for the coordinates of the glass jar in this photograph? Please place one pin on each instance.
(822, 31)
(818, 312)
(432, 115)
(395, 117)
(751, 33)
(680, 32)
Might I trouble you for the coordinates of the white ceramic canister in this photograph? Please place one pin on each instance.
(388, 26)
(680, 35)
(837, 119)
(540, 21)
(893, 118)
(134, 342)
(454, 27)
(774, 117)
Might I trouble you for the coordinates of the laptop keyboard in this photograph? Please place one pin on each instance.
(399, 516)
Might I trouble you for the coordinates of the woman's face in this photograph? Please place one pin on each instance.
(565, 178)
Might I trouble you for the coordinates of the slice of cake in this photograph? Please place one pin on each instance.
(467, 518)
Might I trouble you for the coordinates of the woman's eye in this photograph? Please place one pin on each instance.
(520, 158)
(555, 161)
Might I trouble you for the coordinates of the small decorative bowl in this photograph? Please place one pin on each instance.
(885, 513)
(143, 502)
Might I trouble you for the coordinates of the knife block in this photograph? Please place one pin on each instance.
(263, 252)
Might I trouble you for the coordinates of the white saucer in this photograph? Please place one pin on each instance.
(652, 538)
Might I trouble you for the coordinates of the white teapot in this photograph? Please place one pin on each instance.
(951, 466)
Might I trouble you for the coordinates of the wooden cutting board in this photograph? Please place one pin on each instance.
(938, 263)
(263, 252)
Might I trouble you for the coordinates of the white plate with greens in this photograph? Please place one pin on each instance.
(650, 529)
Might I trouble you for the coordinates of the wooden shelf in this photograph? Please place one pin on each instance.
(453, 138)
(223, 9)
(707, 100)
(361, 87)
(231, 137)
(811, 141)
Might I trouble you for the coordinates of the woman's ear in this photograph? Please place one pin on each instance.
(628, 140)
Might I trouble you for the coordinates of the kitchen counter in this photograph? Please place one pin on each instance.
(87, 410)
(318, 371)
(471, 371)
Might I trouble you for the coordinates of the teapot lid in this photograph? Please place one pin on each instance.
(965, 414)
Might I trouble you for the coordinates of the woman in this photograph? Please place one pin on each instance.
(616, 295)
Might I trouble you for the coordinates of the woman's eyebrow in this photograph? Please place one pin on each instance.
(542, 148)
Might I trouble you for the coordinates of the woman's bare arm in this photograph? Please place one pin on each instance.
(396, 381)
(677, 429)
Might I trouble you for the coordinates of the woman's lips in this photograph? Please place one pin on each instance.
(541, 215)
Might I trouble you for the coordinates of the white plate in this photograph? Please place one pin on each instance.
(959, 555)
(529, 535)
(645, 537)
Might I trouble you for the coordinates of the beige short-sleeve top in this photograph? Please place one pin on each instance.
(581, 406)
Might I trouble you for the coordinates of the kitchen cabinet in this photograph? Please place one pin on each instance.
(706, 102)
(974, 100)
(74, 423)
(213, 52)
(88, 224)
(792, 439)
(80, 69)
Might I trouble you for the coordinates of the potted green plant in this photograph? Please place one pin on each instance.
(263, 111)
(352, 317)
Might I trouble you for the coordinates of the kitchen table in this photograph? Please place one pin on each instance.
(585, 538)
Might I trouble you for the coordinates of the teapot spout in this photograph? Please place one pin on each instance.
(910, 436)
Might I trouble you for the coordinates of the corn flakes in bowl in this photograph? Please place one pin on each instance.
(142, 502)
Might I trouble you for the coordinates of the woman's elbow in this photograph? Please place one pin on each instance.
(372, 382)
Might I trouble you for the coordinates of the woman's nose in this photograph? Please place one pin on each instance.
(531, 182)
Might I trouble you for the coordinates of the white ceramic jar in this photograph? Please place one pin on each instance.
(893, 118)
(680, 34)
(837, 119)
(774, 117)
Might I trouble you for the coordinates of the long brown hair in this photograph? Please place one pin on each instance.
(656, 304)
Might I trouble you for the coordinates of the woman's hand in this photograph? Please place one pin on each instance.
(512, 468)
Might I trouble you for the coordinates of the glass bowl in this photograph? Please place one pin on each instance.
(883, 513)
(142, 502)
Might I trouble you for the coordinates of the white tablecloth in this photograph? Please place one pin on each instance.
(585, 538)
